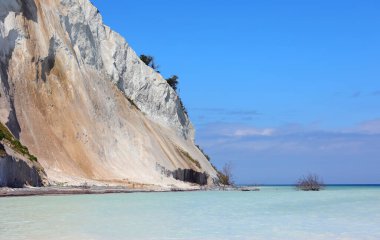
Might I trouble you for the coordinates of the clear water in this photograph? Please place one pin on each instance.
(273, 213)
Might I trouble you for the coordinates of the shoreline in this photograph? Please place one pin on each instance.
(80, 190)
(45, 191)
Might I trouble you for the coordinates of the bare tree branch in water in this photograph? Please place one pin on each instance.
(311, 182)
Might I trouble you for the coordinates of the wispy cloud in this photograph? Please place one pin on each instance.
(224, 111)
(226, 131)
(368, 127)
(243, 131)
(283, 153)
(291, 137)
(253, 132)
(208, 115)
(356, 94)
(243, 112)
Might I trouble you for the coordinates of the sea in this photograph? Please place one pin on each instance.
(275, 212)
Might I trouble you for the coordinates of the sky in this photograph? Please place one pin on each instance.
(279, 88)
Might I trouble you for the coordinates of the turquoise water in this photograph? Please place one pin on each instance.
(273, 213)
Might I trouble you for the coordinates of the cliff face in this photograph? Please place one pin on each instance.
(16, 173)
(78, 96)
(17, 170)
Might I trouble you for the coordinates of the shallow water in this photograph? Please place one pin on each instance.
(273, 213)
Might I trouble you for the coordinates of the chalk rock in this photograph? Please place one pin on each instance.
(79, 97)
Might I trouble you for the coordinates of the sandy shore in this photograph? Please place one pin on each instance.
(32, 191)
(70, 190)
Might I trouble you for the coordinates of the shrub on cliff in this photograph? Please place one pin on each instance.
(310, 182)
(203, 152)
(182, 106)
(2, 135)
(173, 82)
(225, 175)
(149, 61)
(14, 143)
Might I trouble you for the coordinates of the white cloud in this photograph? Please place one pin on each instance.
(292, 138)
(339, 155)
(246, 132)
(369, 127)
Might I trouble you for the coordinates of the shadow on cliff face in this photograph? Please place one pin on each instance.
(47, 63)
(27, 8)
(184, 175)
(189, 175)
(7, 45)
(17, 173)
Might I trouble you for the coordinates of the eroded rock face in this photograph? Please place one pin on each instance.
(69, 87)
(17, 173)
(102, 49)
(189, 175)
(185, 175)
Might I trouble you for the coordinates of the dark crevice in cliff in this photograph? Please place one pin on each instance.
(47, 64)
(27, 8)
(5, 56)
(185, 175)
(189, 175)
(13, 123)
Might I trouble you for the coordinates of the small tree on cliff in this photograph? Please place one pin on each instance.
(173, 82)
(149, 61)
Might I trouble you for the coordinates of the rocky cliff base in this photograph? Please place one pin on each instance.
(189, 175)
(18, 172)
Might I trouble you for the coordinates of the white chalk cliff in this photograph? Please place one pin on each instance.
(77, 95)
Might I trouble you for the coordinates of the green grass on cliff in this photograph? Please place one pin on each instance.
(15, 144)
(187, 155)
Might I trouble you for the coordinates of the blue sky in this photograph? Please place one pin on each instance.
(280, 88)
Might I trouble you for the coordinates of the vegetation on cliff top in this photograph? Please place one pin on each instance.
(149, 61)
(15, 144)
(172, 81)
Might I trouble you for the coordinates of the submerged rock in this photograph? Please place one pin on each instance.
(248, 189)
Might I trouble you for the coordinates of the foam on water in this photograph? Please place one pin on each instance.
(273, 213)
